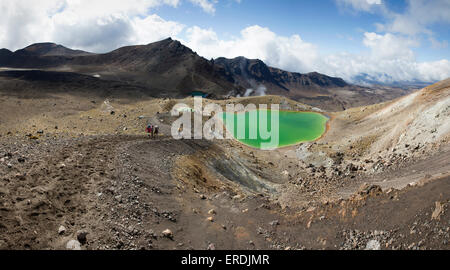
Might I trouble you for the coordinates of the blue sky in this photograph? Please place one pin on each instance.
(332, 26)
(390, 40)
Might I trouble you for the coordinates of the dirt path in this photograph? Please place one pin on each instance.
(123, 191)
(57, 188)
(120, 190)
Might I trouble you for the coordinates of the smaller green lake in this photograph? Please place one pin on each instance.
(294, 127)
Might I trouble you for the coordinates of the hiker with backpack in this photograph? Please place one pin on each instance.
(149, 130)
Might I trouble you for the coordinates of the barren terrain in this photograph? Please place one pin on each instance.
(77, 165)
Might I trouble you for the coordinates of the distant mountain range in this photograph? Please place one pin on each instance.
(386, 80)
(169, 69)
(253, 73)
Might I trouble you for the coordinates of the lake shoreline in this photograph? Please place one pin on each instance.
(327, 128)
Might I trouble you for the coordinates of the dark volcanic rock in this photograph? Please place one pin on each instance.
(50, 49)
(249, 73)
(167, 68)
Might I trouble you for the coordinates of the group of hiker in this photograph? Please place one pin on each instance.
(152, 130)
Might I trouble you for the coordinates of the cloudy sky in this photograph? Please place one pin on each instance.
(389, 40)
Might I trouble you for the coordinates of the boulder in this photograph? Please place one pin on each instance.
(436, 215)
(373, 245)
(211, 247)
(73, 245)
(61, 230)
(167, 234)
(371, 190)
(82, 236)
(274, 223)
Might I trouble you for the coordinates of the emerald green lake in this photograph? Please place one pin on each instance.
(294, 127)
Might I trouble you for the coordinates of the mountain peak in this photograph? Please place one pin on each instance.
(42, 44)
(165, 44)
(4, 50)
(5, 55)
(163, 41)
(50, 49)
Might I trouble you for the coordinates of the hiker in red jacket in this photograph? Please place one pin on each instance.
(149, 130)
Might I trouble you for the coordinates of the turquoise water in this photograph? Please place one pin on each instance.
(294, 127)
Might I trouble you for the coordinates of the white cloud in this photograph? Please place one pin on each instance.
(255, 42)
(436, 44)
(153, 28)
(109, 24)
(392, 52)
(101, 34)
(389, 46)
(417, 18)
(360, 5)
(437, 70)
(419, 15)
(206, 5)
(95, 25)
(388, 57)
